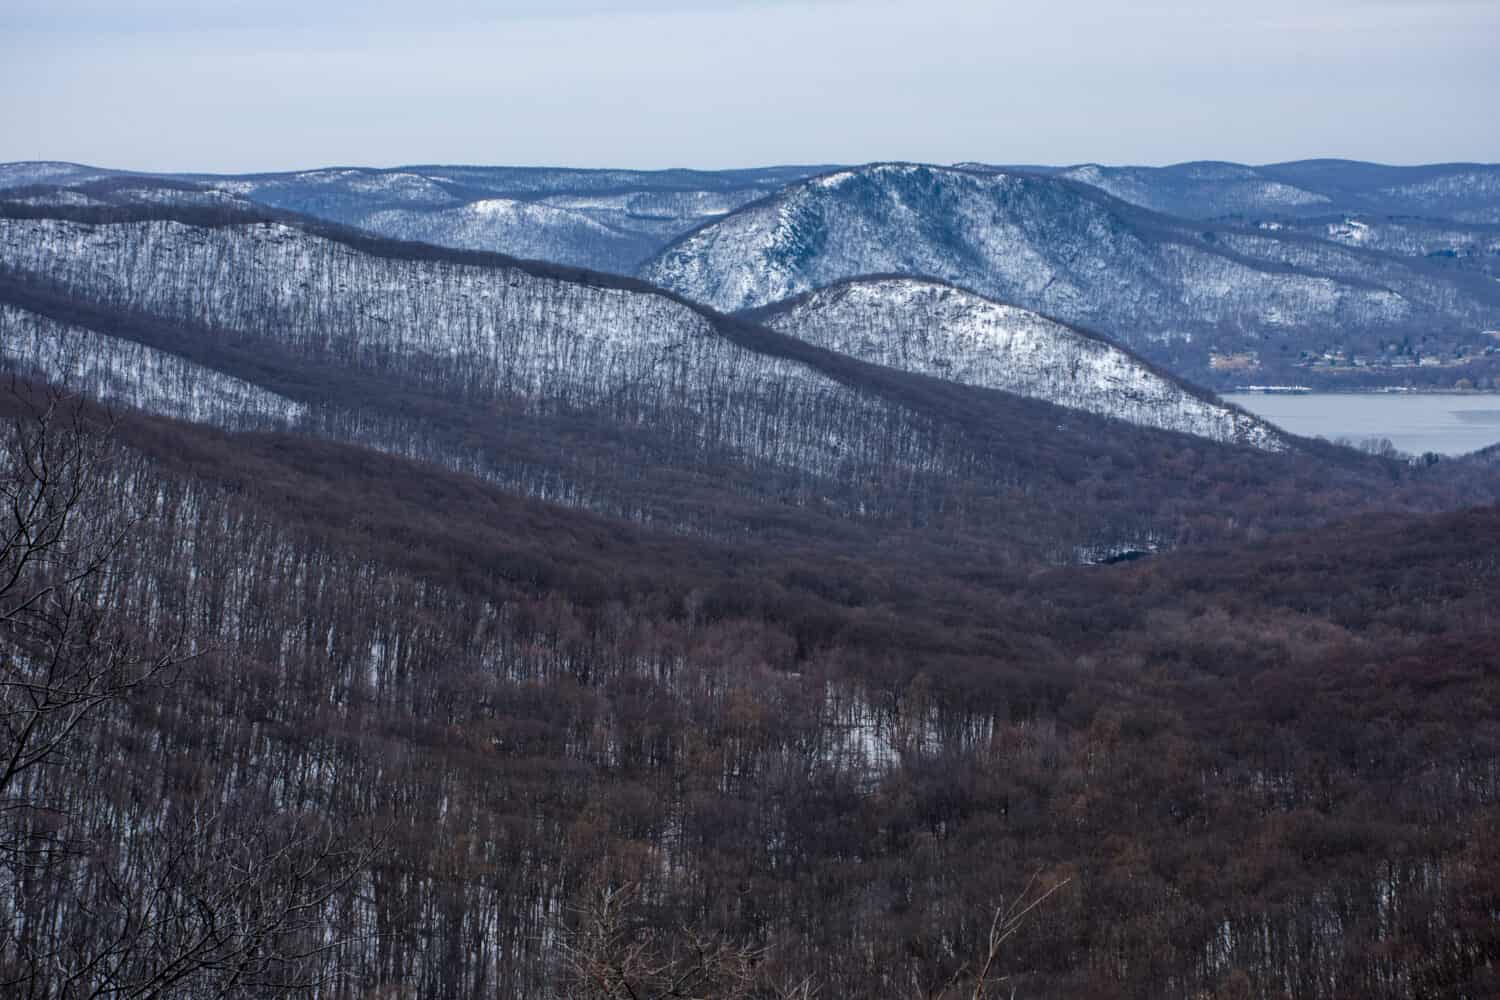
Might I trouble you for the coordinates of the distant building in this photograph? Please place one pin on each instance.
(1241, 362)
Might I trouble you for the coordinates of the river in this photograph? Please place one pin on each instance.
(1446, 423)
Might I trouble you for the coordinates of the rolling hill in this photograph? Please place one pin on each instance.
(610, 395)
(1459, 192)
(447, 624)
(935, 329)
(1177, 292)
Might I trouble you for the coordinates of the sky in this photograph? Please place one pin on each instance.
(248, 85)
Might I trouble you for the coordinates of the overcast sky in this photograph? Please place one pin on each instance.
(239, 85)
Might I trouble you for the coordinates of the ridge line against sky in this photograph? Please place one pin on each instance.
(234, 86)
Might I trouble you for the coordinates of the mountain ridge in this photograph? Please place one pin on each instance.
(717, 405)
(1174, 291)
(1210, 189)
(749, 333)
(936, 328)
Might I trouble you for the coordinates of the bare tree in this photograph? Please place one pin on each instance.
(615, 955)
(62, 655)
(193, 901)
(978, 979)
(206, 913)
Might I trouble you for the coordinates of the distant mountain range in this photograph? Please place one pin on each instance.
(607, 220)
(1329, 273)
(1183, 293)
(385, 619)
(607, 394)
(1462, 192)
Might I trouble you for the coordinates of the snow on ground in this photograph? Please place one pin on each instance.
(119, 371)
(934, 329)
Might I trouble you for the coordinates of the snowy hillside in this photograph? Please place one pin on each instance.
(604, 220)
(1169, 289)
(125, 190)
(1476, 245)
(475, 330)
(126, 373)
(1200, 190)
(1463, 192)
(27, 172)
(936, 329)
(527, 229)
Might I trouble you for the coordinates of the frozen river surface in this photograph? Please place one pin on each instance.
(1449, 424)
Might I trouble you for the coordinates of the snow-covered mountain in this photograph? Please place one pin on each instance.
(1475, 246)
(1175, 291)
(125, 190)
(936, 329)
(614, 220)
(586, 389)
(1201, 190)
(27, 172)
(604, 220)
(473, 328)
(1464, 192)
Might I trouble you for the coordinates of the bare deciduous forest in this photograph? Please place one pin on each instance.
(776, 675)
(482, 753)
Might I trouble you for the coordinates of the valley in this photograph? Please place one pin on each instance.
(485, 582)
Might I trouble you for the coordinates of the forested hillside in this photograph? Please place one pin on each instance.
(605, 394)
(1176, 291)
(1332, 274)
(936, 329)
(1458, 192)
(381, 620)
(453, 743)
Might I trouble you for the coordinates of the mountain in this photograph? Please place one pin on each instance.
(613, 219)
(1474, 246)
(28, 172)
(610, 395)
(1460, 192)
(1179, 293)
(940, 330)
(123, 190)
(606, 220)
(379, 619)
(1463, 192)
(1201, 190)
(548, 342)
